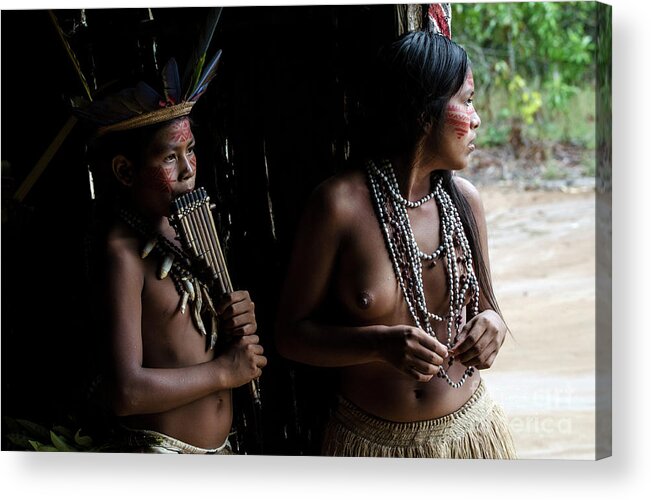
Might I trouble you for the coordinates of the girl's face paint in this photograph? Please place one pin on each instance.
(459, 129)
(459, 117)
(470, 81)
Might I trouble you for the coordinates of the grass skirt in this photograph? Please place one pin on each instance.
(476, 430)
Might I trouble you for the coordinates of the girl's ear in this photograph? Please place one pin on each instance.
(123, 170)
(425, 123)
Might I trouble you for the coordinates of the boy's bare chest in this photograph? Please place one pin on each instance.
(169, 336)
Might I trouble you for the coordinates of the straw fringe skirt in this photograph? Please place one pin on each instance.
(476, 430)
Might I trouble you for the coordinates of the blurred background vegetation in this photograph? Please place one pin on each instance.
(534, 69)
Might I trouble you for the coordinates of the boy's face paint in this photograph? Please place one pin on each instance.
(170, 162)
(180, 131)
(160, 178)
(192, 159)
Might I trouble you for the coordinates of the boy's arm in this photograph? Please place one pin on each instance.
(140, 390)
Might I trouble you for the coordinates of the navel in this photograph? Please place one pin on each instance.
(364, 300)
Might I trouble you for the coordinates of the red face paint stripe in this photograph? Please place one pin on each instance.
(161, 179)
(459, 119)
(180, 131)
(458, 123)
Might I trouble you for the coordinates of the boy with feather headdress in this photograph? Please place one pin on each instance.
(169, 385)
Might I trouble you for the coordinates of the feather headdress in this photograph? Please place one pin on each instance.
(440, 19)
(143, 105)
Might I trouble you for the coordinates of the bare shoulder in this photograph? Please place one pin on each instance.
(467, 188)
(123, 248)
(340, 197)
(471, 194)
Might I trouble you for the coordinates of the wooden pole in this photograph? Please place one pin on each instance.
(43, 161)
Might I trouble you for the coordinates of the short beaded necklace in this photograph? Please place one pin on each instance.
(391, 210)
(176, 264)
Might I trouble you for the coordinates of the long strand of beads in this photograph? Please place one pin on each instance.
(432, 256)
(406, 257)
(392, 186)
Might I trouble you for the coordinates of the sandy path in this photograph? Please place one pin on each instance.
(542, 248)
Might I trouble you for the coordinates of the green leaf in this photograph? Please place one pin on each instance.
(64, 431)
(41, 447)
(83, 441)
(37, 430)
(20, 440)
(60, 443)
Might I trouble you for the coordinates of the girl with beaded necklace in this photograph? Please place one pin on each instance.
(389, 278)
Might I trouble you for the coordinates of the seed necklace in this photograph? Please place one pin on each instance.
(407, 258)
(176, 263)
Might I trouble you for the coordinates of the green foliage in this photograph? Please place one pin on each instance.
(552, 171)
(589, 168)
(575, 123)
(523, 103)
(30, 436)
(541, 55)
(493, 136)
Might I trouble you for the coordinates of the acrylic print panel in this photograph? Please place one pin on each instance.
(278, 120)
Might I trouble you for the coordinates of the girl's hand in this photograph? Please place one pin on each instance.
(480, 340)
(412, 351)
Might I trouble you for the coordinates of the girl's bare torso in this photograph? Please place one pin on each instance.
(365, 292)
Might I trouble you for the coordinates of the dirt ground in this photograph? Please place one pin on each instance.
(542, 250)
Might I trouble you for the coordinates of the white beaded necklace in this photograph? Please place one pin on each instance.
(391, 209)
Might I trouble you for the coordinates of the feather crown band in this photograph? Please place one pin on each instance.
(142, 105)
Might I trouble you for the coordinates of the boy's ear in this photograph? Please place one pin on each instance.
(123, 170)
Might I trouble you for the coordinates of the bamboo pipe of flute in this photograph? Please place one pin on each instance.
(254, 388)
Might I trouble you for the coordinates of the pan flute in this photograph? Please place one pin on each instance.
(194, 224)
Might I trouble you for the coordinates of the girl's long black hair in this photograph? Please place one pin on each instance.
(411, 82)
